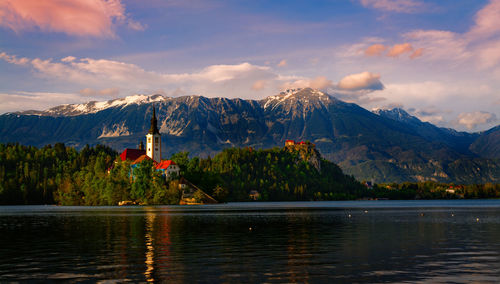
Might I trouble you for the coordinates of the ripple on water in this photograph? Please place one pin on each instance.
(297, 242)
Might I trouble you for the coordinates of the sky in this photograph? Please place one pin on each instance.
(438, 60)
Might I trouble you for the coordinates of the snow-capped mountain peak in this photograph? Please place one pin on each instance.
(304, 95)
(398, 114)
(96, 106)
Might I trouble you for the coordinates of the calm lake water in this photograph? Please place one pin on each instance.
(292, 242)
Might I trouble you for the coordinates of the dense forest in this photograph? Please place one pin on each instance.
(96, 176)
(277, 174)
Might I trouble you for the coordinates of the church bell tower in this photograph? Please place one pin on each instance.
(153, 140)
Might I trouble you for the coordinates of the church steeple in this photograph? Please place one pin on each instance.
(153, 140)
(154, 127)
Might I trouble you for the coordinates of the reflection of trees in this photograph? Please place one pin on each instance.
(295, 246)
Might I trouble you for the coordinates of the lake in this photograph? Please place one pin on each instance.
(293, 242)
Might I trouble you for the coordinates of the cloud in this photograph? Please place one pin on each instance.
(94, 18)
(259, 85)
(480, 45)
(12, 59)
(282, 63)
(440, 45)
(18, 101)
(430, 114)
(417, 53)
(136, 26)
(320, 83)
(68, 59)
(100, 74)
(361, 81)
(379, 49)
(375, 50)
(473, 119)
(399, 6)
(399, 49)
(486, 21)
(108, 92)
(391, 106)
(489, 54)
(359, 88)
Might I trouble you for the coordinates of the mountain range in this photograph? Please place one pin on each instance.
(383, 146)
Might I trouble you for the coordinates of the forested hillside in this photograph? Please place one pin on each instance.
(95, 176)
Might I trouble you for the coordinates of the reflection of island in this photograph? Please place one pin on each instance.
(148, 238)
(235, 244)
(162, 257)
(296, 246)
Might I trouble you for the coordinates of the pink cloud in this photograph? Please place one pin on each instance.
(399, 49)
(319, 83)
(417, 53)
(375, 50)
(400, 6)
(259, 85)
(12, 59)
(94, 18)
(440, 44)
(282, 63)
(361, 81)
(486, 23)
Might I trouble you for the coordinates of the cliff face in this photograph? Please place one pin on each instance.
(307, 152)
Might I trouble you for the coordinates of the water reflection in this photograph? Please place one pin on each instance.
(235, 245)
(150, 219)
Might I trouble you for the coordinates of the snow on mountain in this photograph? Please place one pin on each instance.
(95, 106)
(116, 130)
(305, 95)
(398, 114)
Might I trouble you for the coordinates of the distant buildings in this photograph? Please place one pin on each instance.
(254, 195)
(293, 143)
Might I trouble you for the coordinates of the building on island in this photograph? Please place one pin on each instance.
(293, 143)
(131, 154)
(254, 195)
(152, 152)
(190, 194)
(169, 168)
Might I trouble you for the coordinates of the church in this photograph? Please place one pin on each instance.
(152, 152)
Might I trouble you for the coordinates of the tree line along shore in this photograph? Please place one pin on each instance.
(57, 174)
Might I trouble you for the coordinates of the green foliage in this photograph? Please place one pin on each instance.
(435, 190)
(277, 174)
(96, 176)
(62, 175)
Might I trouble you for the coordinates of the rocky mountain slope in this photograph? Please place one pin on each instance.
(383, 146)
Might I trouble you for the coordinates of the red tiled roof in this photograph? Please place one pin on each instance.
(165, 164)
(131, 154)
(142, 158)
(290, 141)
